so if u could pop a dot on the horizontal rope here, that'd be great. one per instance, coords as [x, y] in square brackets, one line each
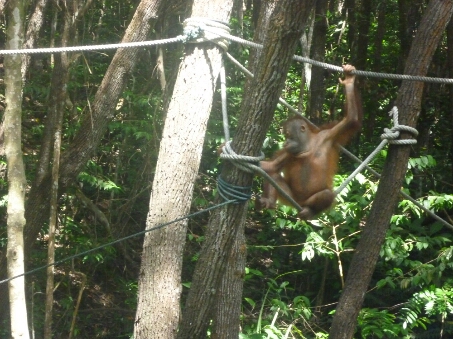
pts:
[196, 29]
[179, 38]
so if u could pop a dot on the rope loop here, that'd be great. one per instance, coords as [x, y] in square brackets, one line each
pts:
[232, 192]
[392, 134]
[243, 162]
[198, 30]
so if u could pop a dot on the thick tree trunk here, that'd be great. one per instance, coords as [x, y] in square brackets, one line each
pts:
[16, 171]
[226, 225]
[432, 26]
[177, 167]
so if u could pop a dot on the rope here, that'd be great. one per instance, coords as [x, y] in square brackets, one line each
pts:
[374, 74]
[223, 97]
[243, 162]
[179, 38]
[250, 164]
[232, 192]
[189, 216]
[390, 136]
[197, 30]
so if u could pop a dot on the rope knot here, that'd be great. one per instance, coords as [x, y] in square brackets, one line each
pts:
[198, 30]
[392, 134]
[243, 162]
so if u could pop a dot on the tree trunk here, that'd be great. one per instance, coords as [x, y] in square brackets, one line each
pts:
[349, 10]
[372, 107]
[60, 79]
[16, 171]
[93, 127]
[229, 294]
[380, 33]
[306, 44]
[450, 88]
[408, 14]
[363, 27]
[177, 168]
[34, 27]
[218, 257]
[432, 26]
[317, 80]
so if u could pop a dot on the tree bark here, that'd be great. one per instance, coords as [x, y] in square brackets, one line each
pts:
[450, 88]
[349, 11]
[372, 107]
[60, 79]
[16, 171]
[363, 27]
[226, 225]
[93, 127]
[33, 29]
[408, 14]
[432, 26]
[318, 50]
[176, 171]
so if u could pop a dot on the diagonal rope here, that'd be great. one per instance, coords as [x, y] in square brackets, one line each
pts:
[155, 228]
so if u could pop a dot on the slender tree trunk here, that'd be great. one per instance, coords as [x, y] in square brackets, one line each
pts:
[380, 32]
[349, 11]
[363, 28]
[177, 168]
[226, 226]
[16, 171]
[33, 29]
[372, 108]
[432, 26]
[450, 88]
[2, 6]
[408, 11]
[60, 79]
[318, 50]
[306, 44]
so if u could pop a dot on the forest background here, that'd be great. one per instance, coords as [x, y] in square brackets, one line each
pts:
[295, 271]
